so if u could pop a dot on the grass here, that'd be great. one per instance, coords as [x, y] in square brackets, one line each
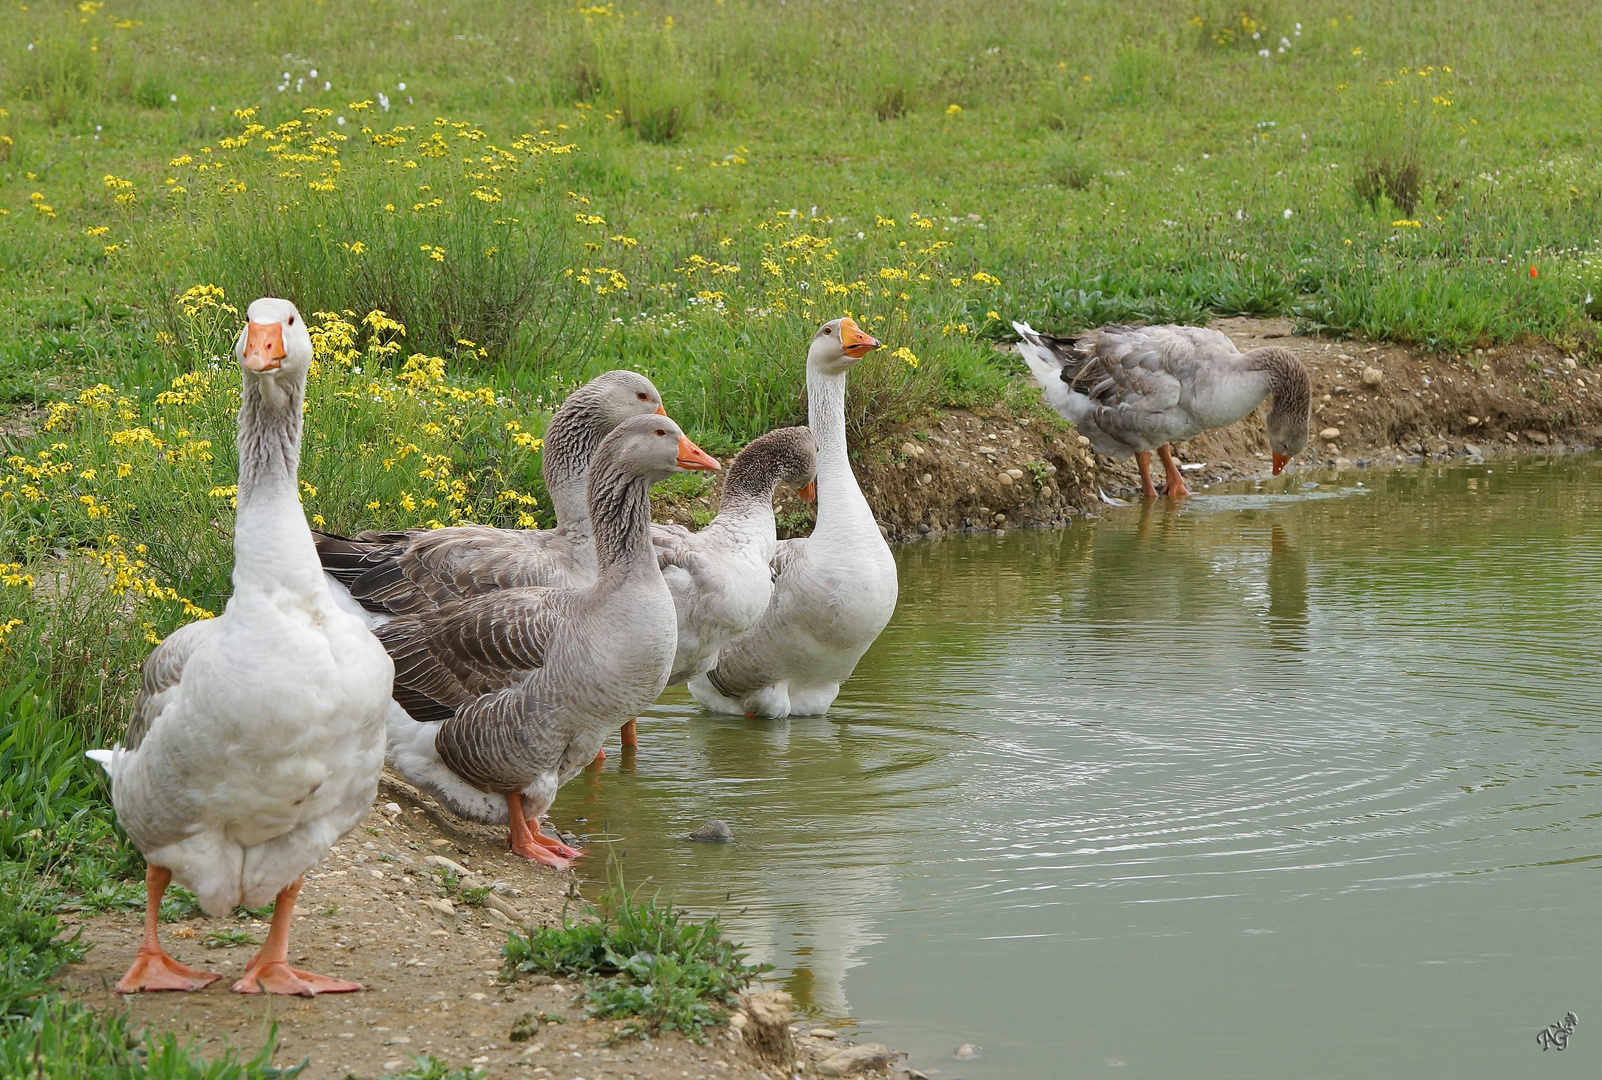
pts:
[480, 206]
[640, 959]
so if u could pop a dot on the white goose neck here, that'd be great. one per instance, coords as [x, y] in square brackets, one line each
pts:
[272, 543]
[841, 503]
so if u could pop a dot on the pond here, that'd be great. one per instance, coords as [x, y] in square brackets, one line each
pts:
[1298, 779]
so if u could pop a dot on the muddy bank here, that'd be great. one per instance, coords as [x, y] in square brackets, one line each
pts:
[376, 911]
[1373, 406]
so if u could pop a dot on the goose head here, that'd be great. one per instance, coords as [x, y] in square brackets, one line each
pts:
[1287, 436]
[274, 347]
[838, 345]
[788, 456]
[654, 448]
[614, 396]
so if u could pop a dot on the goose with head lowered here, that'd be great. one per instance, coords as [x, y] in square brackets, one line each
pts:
[258, 736]
[391, 574]
[721, 578]
[833, 591]
[502, 697]
[1134, 389]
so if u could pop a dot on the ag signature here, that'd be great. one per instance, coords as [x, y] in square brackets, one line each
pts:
[1556, 1036]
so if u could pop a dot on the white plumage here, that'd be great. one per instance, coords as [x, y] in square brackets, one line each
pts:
[834, 591]
[259, 735]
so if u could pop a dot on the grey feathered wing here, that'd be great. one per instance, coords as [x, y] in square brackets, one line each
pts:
[160, 676]
[468, 665]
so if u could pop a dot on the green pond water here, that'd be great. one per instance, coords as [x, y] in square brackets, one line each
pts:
[1296, 780]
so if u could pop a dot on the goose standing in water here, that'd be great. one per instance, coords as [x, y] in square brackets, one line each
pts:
[833, 591]
[404, 573]
[1134, 389]
[721, 577]
[258, 737]
[501, 698]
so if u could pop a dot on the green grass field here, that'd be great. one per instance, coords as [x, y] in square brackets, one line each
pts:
[532, 193]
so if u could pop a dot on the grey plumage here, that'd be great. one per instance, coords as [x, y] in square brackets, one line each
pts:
[403, 573]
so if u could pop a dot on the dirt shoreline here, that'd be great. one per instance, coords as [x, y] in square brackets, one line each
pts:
[945, 473]
[373, 911]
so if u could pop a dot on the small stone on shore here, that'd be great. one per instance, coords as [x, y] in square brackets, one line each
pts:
[1373, 376]
[1329, 434]
[856, 1059]
[965, 1052]
[714, 831]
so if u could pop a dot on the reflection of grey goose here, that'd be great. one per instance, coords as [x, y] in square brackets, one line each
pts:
[1134, 389]
[834, 591]
[720, 577]
[258, 736]
[505, 696]
[404, 573]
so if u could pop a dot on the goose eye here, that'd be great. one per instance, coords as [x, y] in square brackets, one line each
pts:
[643, 396]
[661, 431]
[292, 320]
[828, 329]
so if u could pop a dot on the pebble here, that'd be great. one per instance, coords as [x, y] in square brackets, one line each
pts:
[1373, 376]
[1471, 449]
[1082, 440]
[1330, 433]
[823, 1033]
[965, 1052]
[925, 478]
[1472, 421]
[1016, 474]
[447, 864]
[1004, 479]
[714, 831]
[856, 1059]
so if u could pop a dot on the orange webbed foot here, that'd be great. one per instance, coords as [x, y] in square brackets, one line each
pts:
[551, 843]
[158, 971]
[529, 849]
[278, 977]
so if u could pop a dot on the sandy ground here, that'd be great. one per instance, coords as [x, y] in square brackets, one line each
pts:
[374, 912]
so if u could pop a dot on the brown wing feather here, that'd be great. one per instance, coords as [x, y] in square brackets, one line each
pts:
[468, 649]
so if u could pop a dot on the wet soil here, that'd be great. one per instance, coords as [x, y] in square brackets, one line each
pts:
[376, 911]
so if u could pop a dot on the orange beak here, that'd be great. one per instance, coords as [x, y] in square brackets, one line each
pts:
[808, 492]
[264, 346]
[660, 411]
[853, 342]
[692, 456]
[1280, 461]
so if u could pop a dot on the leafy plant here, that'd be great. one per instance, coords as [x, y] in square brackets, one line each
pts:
[640, 959]
[228, 937]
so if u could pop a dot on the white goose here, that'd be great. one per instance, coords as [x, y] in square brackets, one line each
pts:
[258, 736]
[391, 574]
[834, 591]
[503, 697]
[1134, 389]
[721, 577]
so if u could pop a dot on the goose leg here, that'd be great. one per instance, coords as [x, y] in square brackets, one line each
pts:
[152, 968]
[600, 760]
[631, 737]
[1147, 489]
[527, 840]
[1176, 488]
[269, 970]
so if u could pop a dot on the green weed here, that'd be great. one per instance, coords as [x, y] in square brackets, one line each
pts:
[640, 959]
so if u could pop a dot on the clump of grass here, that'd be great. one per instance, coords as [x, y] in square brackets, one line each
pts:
[643, 72]
[1402, 138]
[1071, 164]
[458, 235]
[1139, 73]
[640, 959]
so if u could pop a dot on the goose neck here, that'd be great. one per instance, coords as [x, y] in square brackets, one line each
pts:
[571, 440]
[840, 499]
[620, 517]
[270, 531]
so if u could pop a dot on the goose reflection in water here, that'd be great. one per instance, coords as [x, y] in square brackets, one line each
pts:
[1287, 592]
